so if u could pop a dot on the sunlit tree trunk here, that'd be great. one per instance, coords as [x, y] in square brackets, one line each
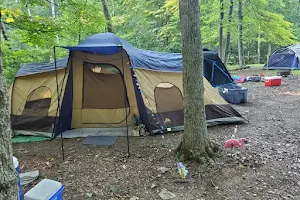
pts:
[269, 50]
[228, 37]
[8, 176]
[221, 29]
[53, 13]
[240, 34]
[258, 48]
[298, 9]
[195, 144]
[3, 30]
[107, 16]
[29, 11]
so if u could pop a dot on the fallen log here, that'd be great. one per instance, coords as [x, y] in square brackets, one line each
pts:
[240, 68]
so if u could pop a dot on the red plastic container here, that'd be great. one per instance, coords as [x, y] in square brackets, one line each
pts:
[272, 81]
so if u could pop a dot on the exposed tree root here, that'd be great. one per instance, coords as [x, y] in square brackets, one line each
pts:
[200, 156]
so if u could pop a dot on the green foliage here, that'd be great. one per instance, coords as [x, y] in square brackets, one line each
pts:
[34, 32]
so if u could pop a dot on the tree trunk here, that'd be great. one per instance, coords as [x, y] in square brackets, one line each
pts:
[8, 176]
[240, 34]
[107, 16]
[29, 12]
[249, 57]
[269, 50]
[298, 9]
[53, 14]
[228, 37]
[221, 29]
[3, 30]
[195, 144]
[258, 48]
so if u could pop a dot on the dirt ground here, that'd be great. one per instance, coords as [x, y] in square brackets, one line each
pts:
[266, 168]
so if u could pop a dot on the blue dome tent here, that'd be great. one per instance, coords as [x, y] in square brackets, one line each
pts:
[287, 58]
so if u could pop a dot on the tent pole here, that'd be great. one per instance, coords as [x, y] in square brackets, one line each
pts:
[125, 101]
[58, 106]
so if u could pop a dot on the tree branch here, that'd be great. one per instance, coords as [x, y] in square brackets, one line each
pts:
[31, 30]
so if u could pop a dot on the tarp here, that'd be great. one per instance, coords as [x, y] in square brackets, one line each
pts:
[35, 68]
[26, 138]
[108, 43]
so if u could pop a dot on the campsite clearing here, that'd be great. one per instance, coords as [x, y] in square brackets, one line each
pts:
[266, 168]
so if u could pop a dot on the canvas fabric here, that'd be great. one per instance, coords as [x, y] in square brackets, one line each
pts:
[148, 81]
[162, 96]
[34, 100]
[35, 87]
[101, 103]
[102, 90]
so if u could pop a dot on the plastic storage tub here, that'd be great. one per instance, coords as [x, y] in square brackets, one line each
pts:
[16, 164]
[272, 81]
[233, 93]
[45, 190]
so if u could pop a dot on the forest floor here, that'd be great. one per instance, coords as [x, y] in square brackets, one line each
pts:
[266, 168]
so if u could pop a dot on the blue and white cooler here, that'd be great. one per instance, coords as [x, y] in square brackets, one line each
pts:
[46, 190]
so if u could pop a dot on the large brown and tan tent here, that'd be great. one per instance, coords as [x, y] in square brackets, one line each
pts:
[107, 83]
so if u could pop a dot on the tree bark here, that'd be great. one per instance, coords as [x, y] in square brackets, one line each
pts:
[3, 30]
[269, 50]
[221, 29]
[29, 12]
[228, 37]
[53, 13]
[195, 144]
[258, 48]
[240, 34]
[107, 16]
[298, 9]
[8, 176]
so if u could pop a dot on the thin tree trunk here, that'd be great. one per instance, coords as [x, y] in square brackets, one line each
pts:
[195, 144]
[221, 29]
[258, 48]
[4, 31]
[53, 14]
[228, 37]
[269, 50]
[107, 16]
[249, 59]
[28, 11]
[298, 9]
[240, 34]
[8, 176]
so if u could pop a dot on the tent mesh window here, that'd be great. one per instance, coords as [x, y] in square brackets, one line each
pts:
[169, 104]
[38, 102]
[103, 87]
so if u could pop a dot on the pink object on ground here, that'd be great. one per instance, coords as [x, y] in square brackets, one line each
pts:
[233, 143]
[241, 80]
